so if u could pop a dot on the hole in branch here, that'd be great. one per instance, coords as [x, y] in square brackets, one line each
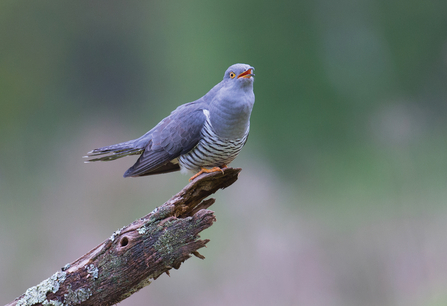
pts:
[124, 241]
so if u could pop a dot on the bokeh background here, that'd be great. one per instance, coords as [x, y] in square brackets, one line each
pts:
[342, 198]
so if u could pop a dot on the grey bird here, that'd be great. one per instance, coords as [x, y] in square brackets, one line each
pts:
[200, 136]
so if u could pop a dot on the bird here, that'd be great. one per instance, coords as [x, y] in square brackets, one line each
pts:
[198, 137]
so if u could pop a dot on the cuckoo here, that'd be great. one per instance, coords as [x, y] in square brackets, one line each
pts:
[200, 136]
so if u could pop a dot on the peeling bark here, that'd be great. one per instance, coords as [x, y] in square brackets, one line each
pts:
[136, 254]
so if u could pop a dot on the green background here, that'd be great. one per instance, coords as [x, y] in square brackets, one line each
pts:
[342, 198]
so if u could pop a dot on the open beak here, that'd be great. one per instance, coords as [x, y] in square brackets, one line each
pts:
[246, 74]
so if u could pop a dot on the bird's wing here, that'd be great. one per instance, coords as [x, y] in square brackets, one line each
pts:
[173, 136]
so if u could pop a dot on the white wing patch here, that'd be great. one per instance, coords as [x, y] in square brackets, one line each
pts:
[207, 114]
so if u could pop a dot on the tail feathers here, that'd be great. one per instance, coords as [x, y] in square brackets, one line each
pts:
[113, 152]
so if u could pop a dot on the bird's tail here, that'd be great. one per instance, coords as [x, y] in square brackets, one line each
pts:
[114, 151]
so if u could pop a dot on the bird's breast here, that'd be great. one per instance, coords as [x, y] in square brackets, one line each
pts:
[231, 120]
[212, 150]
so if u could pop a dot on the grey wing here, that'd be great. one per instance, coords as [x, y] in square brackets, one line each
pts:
[173, 136]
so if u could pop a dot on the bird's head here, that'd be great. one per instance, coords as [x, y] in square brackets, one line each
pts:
[241, 74]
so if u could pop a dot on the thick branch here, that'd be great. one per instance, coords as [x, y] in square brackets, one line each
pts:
[137, 253]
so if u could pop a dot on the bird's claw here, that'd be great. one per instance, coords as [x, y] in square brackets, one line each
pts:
[205, 170]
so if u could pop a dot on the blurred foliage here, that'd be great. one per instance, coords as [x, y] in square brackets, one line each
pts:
[349, 122]
[322, 67]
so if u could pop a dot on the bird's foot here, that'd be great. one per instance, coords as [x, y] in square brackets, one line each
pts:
[205, 170]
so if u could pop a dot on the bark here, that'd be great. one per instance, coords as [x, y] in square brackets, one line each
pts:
[136, 254]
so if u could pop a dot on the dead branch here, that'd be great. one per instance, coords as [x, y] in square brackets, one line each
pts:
[137, 253]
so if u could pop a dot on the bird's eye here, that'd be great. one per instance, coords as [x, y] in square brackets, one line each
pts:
[232, 75]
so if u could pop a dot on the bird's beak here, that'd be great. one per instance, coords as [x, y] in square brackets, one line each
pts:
[246, 74]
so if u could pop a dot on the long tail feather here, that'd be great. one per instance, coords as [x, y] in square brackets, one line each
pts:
[114, 152]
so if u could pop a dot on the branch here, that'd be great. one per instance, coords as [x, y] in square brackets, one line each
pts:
[137, 253]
